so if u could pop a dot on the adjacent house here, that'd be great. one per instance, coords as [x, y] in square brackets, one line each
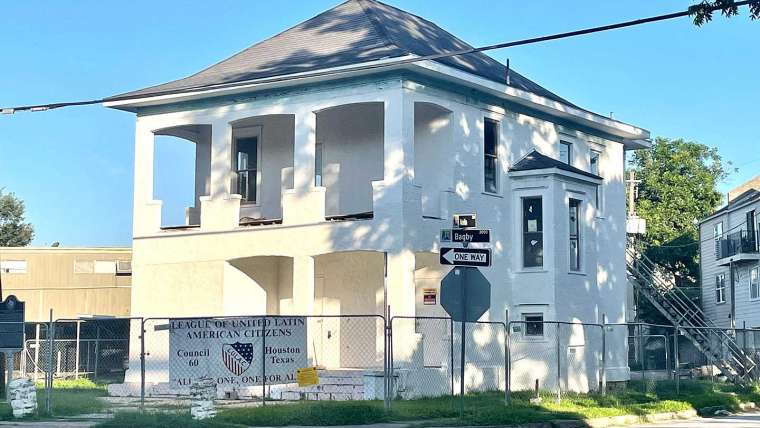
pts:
[330, 156]
[730, 259]
[72, 282]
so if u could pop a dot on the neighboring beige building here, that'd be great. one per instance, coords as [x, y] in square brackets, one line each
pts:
[73, 282]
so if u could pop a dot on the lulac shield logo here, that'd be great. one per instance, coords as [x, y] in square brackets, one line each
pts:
[237, 357]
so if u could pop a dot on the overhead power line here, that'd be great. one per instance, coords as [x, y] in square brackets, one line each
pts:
[557, 36]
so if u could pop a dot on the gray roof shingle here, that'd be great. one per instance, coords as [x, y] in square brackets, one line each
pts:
[535, 160]
[353, 32]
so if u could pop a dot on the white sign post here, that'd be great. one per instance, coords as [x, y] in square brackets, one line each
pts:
[231, 350]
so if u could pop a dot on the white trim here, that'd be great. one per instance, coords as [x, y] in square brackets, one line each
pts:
[633, 136]
[555, 171]
[755, 269]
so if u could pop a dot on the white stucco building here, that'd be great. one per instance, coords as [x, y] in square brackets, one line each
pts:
[323, 148]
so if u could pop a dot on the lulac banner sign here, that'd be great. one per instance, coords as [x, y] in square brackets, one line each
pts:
[231, 350]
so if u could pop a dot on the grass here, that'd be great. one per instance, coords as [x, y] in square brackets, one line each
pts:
[480, 409]
[68, 398]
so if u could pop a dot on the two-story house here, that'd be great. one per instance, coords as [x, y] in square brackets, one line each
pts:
[730, 259]
[330, 156]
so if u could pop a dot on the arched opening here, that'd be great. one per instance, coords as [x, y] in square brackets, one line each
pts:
[349, 156]
[181, 165]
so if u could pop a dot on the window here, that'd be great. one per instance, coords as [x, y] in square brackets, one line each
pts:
[718, 230]
[246, 167]
[102, 266]
[318, 149]
[720, 288]
[565, 152]
[754, 283]
[594, 162]
[534, 325]
[13, 266]
[574, 219]
[490, 157]
[84, 266]
[533, 233]
[717, 234]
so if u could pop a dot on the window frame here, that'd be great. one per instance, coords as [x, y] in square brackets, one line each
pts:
[720, 288]
[525, 233]
[494, 157]
[591, 156]
[717, 236]
[755, 271]
[6, 267]
[569, 146]
[243, 133]
[577, 267]
[525, 323]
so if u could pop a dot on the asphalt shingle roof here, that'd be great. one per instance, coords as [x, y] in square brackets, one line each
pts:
[353, 32]
[535, 160]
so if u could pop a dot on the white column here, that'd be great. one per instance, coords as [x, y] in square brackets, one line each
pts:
[147, 212]
[304, 150]
[220, 177]
[305, 203]
[303, 285]
[398, 157]
[400, 282]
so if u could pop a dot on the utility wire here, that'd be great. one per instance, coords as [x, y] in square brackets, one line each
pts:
[674, 15]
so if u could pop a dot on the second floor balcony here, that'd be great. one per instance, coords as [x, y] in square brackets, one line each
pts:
[737, 247]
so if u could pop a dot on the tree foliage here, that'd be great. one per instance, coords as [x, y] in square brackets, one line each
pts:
[14, 231]
[702, 12]
[678, 188]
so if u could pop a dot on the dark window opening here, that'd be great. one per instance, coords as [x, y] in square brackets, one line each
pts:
[534, 324]
[246, 167]
[490, 157]
[533, 233]
[575, 251]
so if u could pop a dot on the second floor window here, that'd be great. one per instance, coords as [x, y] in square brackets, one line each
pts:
[575, 229]
[720, 288]
[717, 234]
[246, 167]
[490, 156]
[754, 283]
[533, 233]
[566, 152]
[593, 163]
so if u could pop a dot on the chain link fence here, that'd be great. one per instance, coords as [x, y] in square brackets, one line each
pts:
[347, 351]
[362, 357]
[427, 357]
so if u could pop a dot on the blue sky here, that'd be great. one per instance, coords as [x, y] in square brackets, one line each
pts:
[73, 167]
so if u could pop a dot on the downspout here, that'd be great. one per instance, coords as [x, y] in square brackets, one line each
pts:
[733, 294]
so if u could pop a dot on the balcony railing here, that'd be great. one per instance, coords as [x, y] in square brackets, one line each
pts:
[742, 242]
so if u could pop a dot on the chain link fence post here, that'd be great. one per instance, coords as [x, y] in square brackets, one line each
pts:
[676, 359]
[603, 375]
[507, 375]
[142, 362]
[49, 373]
[559, 365]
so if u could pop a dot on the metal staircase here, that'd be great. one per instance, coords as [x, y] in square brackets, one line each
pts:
[714, 342]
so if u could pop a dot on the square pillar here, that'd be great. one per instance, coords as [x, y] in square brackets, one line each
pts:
[400, 282]
[304, 203]
[390, 194]
[303, 285]
[147, 212]
[304, 150]
[220, 174]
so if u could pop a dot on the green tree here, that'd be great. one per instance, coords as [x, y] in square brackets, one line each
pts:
[14, 231]
[678, 188]
[703, 11]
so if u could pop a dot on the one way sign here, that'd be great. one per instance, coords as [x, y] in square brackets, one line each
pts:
[465, 257]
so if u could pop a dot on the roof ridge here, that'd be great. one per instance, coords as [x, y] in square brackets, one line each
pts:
[376, 24]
